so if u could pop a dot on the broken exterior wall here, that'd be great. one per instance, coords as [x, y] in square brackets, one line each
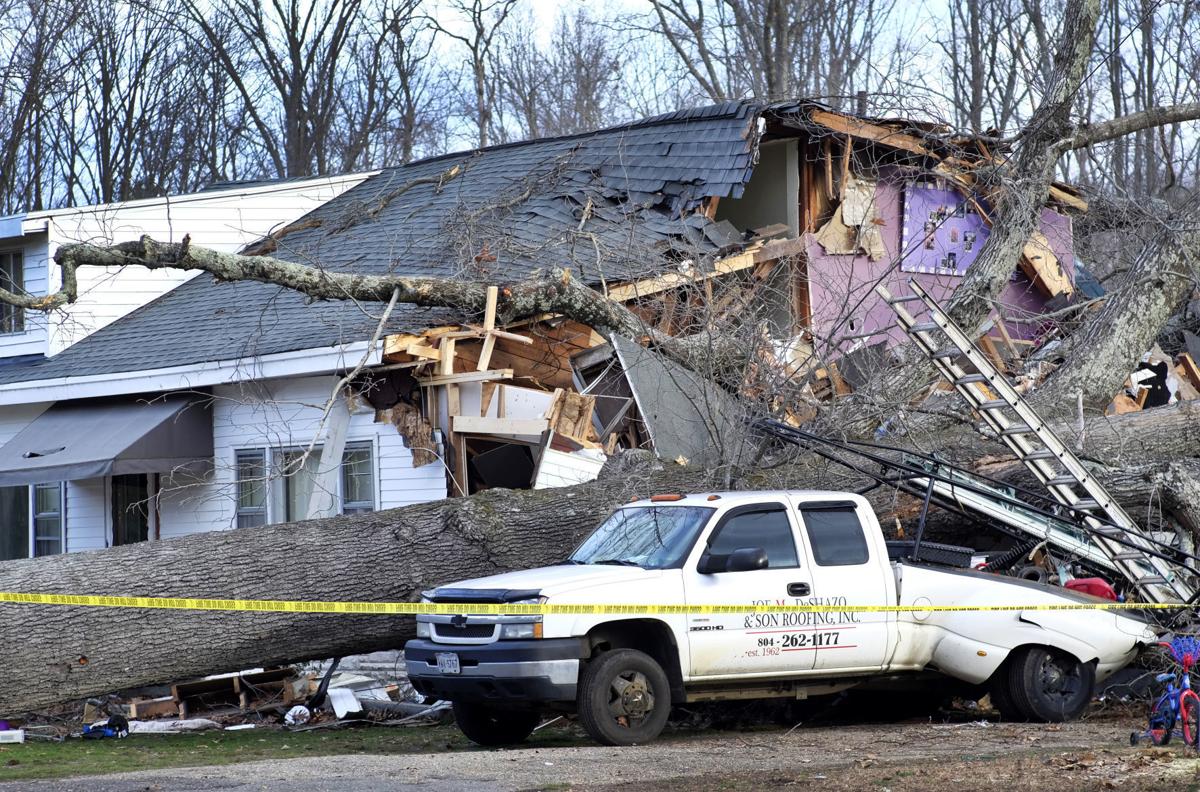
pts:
[841, 285]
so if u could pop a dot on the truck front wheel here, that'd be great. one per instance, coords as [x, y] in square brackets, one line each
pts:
[1048, 685]
[624, 698]
[493, 726]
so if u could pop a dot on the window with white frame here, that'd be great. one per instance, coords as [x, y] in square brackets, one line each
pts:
[358, 479]
[282, 490]
[251, 488]
[32, 521]
[49, 533]
[12, 278]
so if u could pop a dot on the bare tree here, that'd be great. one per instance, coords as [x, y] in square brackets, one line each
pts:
[985, 63]
[774, 49]
[475, 25]
[286, 61]
[573, 85]
[32, 82]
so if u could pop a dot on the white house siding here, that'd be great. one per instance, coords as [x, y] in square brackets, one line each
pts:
[87, 515]
[32, 341]
[225, 219]
[280, 414]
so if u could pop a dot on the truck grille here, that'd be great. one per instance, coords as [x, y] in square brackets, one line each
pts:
[465, 631]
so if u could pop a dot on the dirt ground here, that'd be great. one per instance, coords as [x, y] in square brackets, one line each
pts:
[984, 755]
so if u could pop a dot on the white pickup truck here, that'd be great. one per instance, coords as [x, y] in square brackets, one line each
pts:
[622, 674]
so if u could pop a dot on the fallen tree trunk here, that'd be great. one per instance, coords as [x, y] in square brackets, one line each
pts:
[65, 653]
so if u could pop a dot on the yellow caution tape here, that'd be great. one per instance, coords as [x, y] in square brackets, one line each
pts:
[496, 609]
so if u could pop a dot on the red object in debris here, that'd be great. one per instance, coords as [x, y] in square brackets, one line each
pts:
[1097, 587]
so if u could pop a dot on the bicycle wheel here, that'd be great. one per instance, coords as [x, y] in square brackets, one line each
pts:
[1189, 713]
[1162, 721]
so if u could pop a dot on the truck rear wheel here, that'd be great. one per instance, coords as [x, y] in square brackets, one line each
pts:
[624, 698]
[1002, 699]
[1049, 686]
[492, 726]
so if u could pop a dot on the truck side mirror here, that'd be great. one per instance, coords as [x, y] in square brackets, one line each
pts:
[745, 559]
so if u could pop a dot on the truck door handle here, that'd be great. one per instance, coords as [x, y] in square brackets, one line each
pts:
[798, 589]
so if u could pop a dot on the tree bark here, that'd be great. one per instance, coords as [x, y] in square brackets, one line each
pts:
[1104, 352]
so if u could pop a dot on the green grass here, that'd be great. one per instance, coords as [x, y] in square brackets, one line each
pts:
[78, 757]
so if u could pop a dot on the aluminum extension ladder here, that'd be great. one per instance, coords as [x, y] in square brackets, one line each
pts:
[1037, 446]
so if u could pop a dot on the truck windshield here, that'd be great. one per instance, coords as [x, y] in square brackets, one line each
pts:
[651, 537]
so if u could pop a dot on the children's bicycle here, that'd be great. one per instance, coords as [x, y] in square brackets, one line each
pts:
[1179, 702]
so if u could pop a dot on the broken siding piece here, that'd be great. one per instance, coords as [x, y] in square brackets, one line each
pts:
[1041, 266]
[471, 424]
[562, 469]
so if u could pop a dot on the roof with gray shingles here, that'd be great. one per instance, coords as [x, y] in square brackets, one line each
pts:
[611, 205]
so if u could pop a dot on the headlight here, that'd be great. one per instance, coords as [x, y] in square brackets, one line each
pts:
[424, 629]
[526, 631]
[523, 627]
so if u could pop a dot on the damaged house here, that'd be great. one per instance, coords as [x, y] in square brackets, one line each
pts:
[221, 405]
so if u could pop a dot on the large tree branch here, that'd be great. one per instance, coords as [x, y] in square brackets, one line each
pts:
[1090, 134]
[555, 293]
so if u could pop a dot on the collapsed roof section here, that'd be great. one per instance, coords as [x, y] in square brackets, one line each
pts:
[612, 205]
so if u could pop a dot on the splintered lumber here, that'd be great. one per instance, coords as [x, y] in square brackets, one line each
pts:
[767, 252]
[466, 376]
[1184, 361]
[571, 414]
[201, 694]
[1041, 266]
[257, 685]
[153, 708]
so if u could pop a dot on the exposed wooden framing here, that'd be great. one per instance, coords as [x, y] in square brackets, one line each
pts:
[989, 348]
[468, 376]
[460, 466]
[1004, 336]
[724, 266]
[446, 363]
[827, 156]
[670, 302]
[488, 390]
[1189, 366]
[950, 167]
[413, 345]
[507, 336]
[489, 326]
[847, 154]
[708, 207]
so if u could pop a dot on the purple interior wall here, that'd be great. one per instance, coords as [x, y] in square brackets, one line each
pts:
[841, 287]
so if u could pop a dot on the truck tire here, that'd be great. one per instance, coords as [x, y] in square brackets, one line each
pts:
[1002, 700]
[492, 726]
[624, 698]
[1049, 686]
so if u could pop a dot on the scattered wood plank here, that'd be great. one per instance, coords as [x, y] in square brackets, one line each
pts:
[736, 263]
[153, 708]
[1190, 369]
[840, 388]
[467, 376]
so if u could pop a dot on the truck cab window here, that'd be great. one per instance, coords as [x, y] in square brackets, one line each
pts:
[836, 535]
[767, 528]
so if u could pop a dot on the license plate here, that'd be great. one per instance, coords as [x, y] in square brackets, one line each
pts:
[448, 663]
